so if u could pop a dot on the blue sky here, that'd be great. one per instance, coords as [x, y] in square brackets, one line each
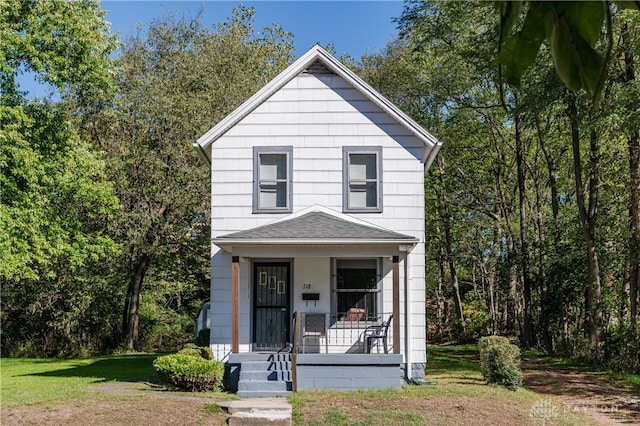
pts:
[355, 28]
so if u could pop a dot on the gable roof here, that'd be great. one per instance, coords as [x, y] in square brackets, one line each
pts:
[315, 227]
[310, 59]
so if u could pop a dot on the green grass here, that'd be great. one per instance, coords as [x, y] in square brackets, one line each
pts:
[450, 374]
[51, 381]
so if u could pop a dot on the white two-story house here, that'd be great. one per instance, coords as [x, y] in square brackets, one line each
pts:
[318, 232]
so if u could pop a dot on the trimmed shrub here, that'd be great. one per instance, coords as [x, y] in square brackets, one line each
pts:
[191, 352]
[189, 372]
[195, 350]
[484, 343]
[500, 361]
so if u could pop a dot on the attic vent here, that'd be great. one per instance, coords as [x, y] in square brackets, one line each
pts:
[318, 68]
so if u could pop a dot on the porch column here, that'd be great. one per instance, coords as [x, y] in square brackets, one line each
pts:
[235, 304]
[396, 305]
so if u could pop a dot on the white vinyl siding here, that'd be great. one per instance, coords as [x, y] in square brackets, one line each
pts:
[316, 115]
[362, 179]
[272, 179]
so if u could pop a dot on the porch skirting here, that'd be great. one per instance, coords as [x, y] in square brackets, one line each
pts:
[349, 372]
[332, 371]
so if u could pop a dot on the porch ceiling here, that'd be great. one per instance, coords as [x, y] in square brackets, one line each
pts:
[315, 228]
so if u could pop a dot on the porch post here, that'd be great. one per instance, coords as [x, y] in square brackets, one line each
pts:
[396, 305]
[235, 302]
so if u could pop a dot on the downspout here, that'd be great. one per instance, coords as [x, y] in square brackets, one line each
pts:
[407, 313]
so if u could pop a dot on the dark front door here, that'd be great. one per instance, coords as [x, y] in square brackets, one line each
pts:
[271, 305]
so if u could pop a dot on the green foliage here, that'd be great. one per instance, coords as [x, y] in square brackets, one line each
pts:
[571, 28]
[163, 328]
[204, 337]
[189, 373]
[199, 351]
[190, 352]
[476, 316]
[620, 347]
[55, 249]
[54, 196]
[500, 362]
[175, 82]
[66, 44]
[484, 343]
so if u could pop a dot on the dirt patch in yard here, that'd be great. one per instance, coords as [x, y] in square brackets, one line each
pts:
[463, 410]
[143, 402]
[124, 410]
[590, 393]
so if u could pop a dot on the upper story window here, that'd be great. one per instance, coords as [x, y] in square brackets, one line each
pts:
[272, 179]
[362, 179]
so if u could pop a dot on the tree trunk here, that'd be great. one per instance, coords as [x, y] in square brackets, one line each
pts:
[528, 331]
[132, 303]
[587, 215]
[553, 172]
[634, 219]
[455, 286]
[634, 189]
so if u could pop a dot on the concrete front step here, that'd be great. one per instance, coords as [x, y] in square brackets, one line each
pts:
[264, 385]
[263, 393]
[263, 411]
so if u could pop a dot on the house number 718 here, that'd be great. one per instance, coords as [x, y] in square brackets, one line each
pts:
[306, 286]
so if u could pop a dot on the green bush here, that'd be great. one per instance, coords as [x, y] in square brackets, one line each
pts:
[191, 352]
[197, 351]
[484, 343]
[189, 372]
[203, 337]
[503, 365]
[620, 348]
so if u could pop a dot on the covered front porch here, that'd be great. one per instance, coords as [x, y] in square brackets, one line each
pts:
[317, 292]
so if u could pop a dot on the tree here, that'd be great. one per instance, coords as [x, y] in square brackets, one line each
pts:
[65, 44]
[571, 29]
[55, 199]
[175, 82]
[535, 199]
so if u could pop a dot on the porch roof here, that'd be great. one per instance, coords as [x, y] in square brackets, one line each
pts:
[316, 227]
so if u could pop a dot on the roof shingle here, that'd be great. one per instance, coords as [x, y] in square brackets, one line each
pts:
[316, 226]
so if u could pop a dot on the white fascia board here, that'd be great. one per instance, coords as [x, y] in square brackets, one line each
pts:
[431, 156]
[343, 71]
[203, 144]
[205, 141]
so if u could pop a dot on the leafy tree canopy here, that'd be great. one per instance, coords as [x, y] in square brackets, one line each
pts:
[572, 30]
[65, 43]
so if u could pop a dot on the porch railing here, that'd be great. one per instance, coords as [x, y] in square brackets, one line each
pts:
[352, 332]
